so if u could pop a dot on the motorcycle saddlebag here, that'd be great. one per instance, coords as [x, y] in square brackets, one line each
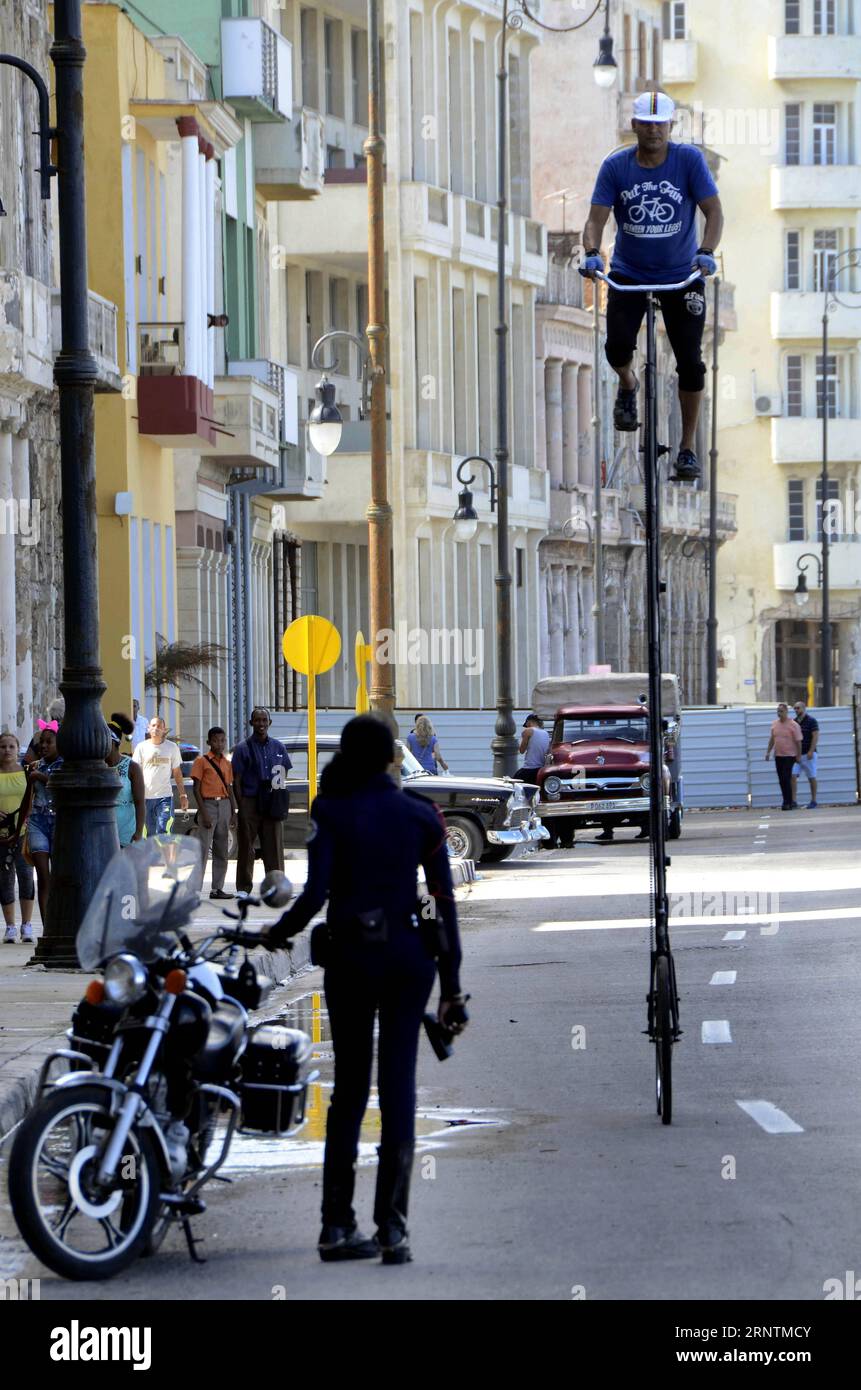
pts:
[274, 1078]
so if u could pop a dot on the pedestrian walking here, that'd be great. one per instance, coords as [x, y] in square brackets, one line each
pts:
[655, 189]
[159, 759]
[42, 818]
[260, 767]
[14, 870]
[130, 806]
[807, 758]
[381, 954]
[141, 725]
[534, 747]
[212, 781]
[56, 710]
[785, 742]
[424, 744]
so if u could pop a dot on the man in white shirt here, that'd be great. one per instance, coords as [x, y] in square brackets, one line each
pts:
[159, 759]
[141, 728]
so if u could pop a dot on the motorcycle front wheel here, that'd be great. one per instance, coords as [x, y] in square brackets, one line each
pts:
[77, 1229]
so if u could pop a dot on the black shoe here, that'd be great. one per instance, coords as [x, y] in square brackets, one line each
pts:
[687, 467]
[220, 893]
[605, 839]
[625, 410]
[346, 1243]
[643, 835]
[391, 1201]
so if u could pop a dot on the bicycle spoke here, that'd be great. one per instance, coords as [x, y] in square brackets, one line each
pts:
[114, 1236]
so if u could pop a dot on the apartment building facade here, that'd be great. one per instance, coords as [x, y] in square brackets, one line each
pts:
[570, 140]
[792, 194]
[439, 65]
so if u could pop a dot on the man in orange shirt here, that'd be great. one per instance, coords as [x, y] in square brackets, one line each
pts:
[212, 777]
[785, 742]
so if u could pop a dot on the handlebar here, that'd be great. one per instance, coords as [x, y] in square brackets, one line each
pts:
[641, 289]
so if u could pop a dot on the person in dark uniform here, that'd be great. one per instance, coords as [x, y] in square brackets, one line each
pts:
[381, 955]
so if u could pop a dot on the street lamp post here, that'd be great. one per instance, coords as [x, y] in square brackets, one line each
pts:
[844, 260]
[85, 788]
[514, 13]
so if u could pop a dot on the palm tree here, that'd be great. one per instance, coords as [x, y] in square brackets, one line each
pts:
[180, 661]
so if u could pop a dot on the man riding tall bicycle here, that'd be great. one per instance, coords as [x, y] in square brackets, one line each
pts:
[654, 189]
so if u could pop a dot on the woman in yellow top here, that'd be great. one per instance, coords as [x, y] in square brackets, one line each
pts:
[14, 804]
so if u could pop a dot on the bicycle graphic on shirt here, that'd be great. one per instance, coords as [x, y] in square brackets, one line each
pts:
[656, 211]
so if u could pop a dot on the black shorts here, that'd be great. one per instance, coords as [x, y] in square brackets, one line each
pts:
[684, 314]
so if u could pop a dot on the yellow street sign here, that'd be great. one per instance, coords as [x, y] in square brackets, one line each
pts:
[363, 655]
[311, 645]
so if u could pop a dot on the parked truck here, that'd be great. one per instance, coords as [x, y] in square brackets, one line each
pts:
[597, 769]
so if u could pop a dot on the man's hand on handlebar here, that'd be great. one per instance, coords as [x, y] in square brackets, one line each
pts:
[593, 263]
[705, 261]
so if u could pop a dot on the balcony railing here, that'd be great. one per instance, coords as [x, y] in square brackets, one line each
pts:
[102, 326]
[161, 349]
[564, 286]
[256, 69]
[290, 160]
[284, 382]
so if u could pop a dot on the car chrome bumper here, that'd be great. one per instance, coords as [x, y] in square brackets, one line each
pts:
[620, 805]
[520, 835]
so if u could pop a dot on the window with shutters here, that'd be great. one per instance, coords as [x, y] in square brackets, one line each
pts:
[792, 261]
[792, 16]
[675, 20]
[308, 43]
[333, 49]
[792, 132]
[831, 513]
[824, 132]
[795, 498]
[827, 386]
[794, 386]
[824, 17]
[825, 248]
[359, 74]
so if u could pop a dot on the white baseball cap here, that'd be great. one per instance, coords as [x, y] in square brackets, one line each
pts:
[653, 106]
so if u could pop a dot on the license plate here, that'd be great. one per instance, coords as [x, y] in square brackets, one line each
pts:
[605, 805]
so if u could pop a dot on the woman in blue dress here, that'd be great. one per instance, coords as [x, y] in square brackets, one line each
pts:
[424, 745]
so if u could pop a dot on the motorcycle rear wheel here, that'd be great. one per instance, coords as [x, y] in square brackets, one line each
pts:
[51, 1169]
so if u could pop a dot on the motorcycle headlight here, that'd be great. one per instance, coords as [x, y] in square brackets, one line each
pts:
[552, 787]
[125, 979]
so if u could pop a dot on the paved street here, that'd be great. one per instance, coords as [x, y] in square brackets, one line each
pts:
[564, 1180]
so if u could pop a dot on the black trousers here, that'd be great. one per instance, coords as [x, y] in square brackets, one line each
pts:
[784, 776]
[684, 314]
[393, 981]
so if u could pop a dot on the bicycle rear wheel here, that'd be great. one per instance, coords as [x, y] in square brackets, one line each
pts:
[663, 1039]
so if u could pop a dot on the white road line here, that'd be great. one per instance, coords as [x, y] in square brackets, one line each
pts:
[769, 1118]
[735, 936]
[716, 1030]
[723, 977]
[763, 825]
[826, 914]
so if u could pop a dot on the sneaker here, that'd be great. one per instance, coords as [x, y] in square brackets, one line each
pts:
[27, 932]
[11, 936]
[687, 467]
[625, 410]
[812, 805]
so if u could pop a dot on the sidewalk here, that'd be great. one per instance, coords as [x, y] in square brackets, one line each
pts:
[36, 1004]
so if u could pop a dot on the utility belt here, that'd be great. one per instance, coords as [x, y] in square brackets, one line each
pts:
[371, 931]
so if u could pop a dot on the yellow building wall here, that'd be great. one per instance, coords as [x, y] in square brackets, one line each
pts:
[121, 65]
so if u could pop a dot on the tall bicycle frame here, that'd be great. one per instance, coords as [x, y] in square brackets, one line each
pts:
[662, 1022]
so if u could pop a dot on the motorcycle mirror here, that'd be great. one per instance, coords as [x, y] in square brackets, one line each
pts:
[276, 890]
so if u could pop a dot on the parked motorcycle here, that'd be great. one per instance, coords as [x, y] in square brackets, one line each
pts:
[164, 1067]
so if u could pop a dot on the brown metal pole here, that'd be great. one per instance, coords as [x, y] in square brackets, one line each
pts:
[382, 691]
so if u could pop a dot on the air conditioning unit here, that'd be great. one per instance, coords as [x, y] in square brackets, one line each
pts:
[768, 404]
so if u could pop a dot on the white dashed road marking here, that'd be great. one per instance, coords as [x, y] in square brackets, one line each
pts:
[735, 936]
[723, 977]
[716, 1030]
[769, 1118]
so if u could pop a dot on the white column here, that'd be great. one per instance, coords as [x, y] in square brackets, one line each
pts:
[540, 416]
[553, 421]
[190, 243]
[8, 540]
[24, 602]
[209, 302]
[570, 437]
[584, 412]
[202, 281]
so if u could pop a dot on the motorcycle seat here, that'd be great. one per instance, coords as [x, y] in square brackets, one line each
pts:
[223, 1043]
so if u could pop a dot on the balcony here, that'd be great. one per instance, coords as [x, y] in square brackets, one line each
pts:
[175, 411]
[815, 186]
[572, 510]
[798, 314]
[685, 511]
[102, 320]
[247, 420]
[284, 382]
[333, 227]
[678, 62]
[844, 558]
[794, 57]
[26, 359]
[799, 440]
[302, 476]
[290, 159]
[256, 70]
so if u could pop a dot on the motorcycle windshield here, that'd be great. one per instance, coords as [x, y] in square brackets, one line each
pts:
[147, 891]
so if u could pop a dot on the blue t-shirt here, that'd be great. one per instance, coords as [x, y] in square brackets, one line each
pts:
[655, 211]
[424, 752]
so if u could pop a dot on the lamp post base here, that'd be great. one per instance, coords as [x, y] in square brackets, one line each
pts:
[504, 745]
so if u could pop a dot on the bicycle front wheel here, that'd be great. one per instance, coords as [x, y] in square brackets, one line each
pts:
[663, 1040]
